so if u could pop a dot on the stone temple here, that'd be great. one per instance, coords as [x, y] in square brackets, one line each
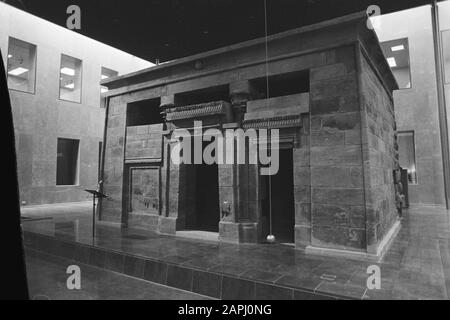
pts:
[330, 96]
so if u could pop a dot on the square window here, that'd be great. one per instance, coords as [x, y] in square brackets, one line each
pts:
[144, 113]
[446, 49]
[70, 79]
[407, 154]
[21, 66]
[397, 56]
[67, 162]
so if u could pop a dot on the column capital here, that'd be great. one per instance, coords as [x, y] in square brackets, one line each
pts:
[240, 93]
[241, 90]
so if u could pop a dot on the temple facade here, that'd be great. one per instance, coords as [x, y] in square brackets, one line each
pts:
[326, 88]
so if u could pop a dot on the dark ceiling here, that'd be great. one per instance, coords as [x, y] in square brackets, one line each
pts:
[169, 29]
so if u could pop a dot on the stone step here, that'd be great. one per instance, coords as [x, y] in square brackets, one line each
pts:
[219, 285]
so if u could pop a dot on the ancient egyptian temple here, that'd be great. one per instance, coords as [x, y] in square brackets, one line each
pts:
[326, 87]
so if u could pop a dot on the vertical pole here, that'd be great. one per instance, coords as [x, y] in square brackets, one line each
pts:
[270, 204]
[93, 219]
[267, 99]
[102, 157]
[443, 126]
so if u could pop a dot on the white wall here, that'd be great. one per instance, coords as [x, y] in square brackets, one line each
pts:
[416, 109]
[41, 118]
[52, 40]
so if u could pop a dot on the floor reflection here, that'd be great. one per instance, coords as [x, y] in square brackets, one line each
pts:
[417, 266]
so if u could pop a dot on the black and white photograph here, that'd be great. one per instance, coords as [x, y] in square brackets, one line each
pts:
[250, 150]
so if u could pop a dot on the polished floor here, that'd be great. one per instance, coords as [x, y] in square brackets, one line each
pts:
[417, 265]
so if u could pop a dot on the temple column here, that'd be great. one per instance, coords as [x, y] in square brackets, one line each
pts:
[238, 190]
[238, 182]
[170, 177]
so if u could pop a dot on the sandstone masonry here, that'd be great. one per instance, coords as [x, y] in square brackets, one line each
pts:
[330, 97]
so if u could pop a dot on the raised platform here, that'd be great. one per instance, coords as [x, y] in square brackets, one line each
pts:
[205, 278]
[230, 271]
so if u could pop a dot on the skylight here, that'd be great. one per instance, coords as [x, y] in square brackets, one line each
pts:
[392, 62]
[17, 71]
[68, 71]
[398, 48]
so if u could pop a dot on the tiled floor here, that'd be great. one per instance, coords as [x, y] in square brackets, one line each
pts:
[47, 281]
[416, 267]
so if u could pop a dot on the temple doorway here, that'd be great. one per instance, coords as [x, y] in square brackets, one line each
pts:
[199, 198]
[207, 210]
[278, 193]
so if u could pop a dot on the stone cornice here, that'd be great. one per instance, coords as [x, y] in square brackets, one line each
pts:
[274, 122]
[197, 110]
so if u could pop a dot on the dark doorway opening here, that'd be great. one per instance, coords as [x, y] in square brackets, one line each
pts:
[67, 162]
[200, 199]
[281, 194]
[207, 200]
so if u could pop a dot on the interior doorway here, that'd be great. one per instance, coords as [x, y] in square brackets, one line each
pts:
[200, 197]
[207, 210]
[278, 193]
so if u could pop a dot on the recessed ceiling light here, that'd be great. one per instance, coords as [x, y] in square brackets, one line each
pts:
[68, 71]
[9, 56]
[398, 48]
[104, 77]
[17, 71]
[70, 86]
[392, 62]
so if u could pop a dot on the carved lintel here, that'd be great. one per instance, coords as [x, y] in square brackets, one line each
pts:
[274, 123]
[220, 108]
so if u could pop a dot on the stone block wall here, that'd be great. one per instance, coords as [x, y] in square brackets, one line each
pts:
[302, 186]
[277, 106]
[379, 155]
[343, 146]
[144, 142]
[141, 143]
[113, 174]
[336, 162]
